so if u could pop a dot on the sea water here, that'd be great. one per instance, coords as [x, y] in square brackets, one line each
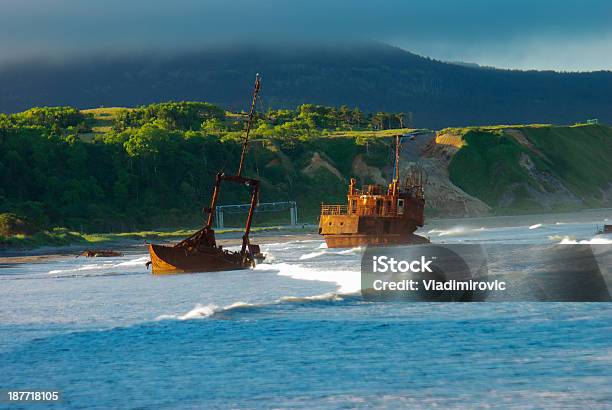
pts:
[295, 332]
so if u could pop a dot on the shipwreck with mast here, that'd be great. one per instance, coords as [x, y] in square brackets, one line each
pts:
[378, 215]
[200, 251]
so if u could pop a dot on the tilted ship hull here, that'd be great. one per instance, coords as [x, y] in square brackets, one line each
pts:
[200, 252]
[170, 260]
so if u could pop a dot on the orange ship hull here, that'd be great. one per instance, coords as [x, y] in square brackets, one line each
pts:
[355, 240]
[377, 215]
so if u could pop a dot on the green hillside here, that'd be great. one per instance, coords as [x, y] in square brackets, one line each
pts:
[117, 170]
[147, 167]
[519, 167]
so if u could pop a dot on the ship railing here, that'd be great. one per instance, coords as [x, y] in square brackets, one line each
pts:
[334, 210]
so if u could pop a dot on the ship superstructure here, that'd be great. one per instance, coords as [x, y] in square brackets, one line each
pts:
[377, 214]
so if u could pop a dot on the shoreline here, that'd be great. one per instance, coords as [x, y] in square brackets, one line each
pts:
[271, 234]
[43, 254]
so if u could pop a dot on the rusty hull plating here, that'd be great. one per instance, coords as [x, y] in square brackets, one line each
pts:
[377, 215]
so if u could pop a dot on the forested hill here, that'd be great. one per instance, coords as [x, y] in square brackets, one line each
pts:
[117, 169]
[374, 77]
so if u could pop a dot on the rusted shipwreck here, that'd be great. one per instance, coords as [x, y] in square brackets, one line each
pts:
[99, 253]
[200, 251]
[376, 214]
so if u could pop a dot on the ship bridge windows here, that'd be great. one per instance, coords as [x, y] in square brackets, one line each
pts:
[400, 206]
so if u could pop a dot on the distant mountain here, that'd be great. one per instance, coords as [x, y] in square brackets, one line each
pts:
[371, 76]
[466, 64]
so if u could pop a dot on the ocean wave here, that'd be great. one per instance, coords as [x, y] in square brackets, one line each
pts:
[203, 311]
[134, 262]
[536, 226]
[330, 296]
[312, 255]
[347, 281]
[104, 266]
[81, 268]
[458, 230]
[351, 251]
[559, 238]
[593, 241]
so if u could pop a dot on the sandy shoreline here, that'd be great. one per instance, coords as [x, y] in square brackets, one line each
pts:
[42, 255]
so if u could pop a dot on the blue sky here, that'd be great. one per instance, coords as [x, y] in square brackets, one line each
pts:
[538, 34]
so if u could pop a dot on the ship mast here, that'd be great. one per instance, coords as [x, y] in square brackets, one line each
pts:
[245, 144]
[397, 157]
[396, 178]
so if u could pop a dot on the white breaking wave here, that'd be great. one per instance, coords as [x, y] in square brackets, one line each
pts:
[323, 246]
[458, 230]
[134, 262]
[593, 241]
[81, 268]
[100, 266]
[351, 251]
[559, 238]
[536, 226]
[312, 255]
[204, 311]
[325, 296]
[347, 281]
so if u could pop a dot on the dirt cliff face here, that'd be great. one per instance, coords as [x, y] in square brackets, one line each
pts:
[442, 196]
[475, 171]
[367, 173]
[318, 163]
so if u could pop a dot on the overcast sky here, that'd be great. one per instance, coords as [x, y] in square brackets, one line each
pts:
[527, 34]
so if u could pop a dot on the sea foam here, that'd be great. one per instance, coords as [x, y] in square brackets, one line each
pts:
[347, 281]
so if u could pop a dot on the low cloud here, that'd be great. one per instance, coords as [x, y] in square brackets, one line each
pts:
[568, 35]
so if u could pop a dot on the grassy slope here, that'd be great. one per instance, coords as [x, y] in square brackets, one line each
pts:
[580, 155]
[101, 122]
[488, 162]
